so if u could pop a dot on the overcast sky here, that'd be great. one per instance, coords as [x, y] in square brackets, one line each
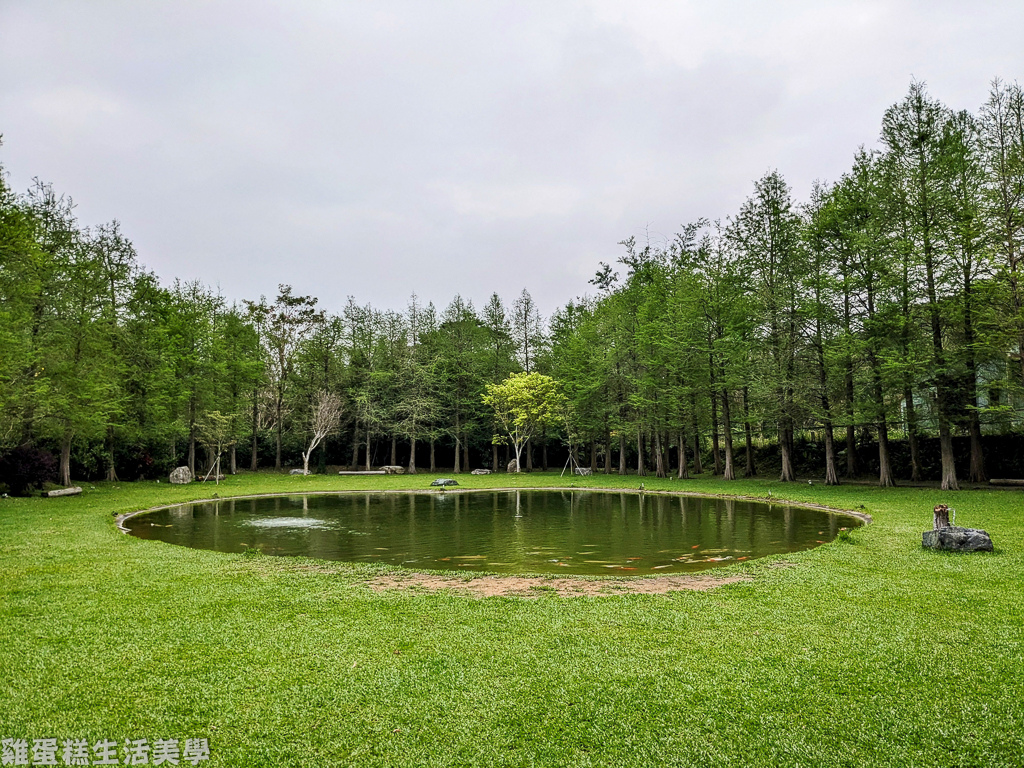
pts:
[376, 148]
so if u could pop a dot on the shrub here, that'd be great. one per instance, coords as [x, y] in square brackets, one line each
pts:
[27, 467]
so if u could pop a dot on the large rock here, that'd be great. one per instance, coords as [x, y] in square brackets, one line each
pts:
[393, 469]
[513, 466]
[298, 472]
[953, 539]
[443, 481]
[181, 476]
[584, 471]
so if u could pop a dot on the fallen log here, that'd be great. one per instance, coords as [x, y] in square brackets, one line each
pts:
[72, 491]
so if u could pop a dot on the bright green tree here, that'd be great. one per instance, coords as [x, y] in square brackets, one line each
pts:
[523, 404]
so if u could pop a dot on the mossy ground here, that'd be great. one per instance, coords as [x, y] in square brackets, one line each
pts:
[867, 651]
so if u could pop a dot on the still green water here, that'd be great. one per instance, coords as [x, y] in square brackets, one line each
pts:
[568, 532]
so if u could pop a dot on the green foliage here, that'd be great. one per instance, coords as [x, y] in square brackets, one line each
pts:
[523, 404]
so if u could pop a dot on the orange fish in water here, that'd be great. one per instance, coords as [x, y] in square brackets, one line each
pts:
[695, 546]
[742, 558]
[626, 568]
[631, 559]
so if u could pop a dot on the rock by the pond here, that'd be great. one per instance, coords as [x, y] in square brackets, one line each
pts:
[181, 476]
[298, 472]
[584, 471]
[480, 472]
[513, 466]
[72, 491]
[393, 469]
[443, 481]
[954, 539]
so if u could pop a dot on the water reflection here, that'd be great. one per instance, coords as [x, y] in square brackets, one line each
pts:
[579, 532]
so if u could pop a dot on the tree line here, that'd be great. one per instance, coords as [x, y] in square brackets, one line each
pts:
[886, 307]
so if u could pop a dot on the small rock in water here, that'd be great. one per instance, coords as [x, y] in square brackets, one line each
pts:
[952, 539]
[443, 481]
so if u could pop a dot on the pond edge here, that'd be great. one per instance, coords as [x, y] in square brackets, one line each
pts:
[864, 517]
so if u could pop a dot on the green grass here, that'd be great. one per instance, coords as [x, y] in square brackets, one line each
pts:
[867, 651]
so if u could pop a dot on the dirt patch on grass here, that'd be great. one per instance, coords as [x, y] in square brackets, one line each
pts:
[534, 586]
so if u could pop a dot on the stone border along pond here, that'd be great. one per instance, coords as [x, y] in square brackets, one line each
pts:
[530, 586]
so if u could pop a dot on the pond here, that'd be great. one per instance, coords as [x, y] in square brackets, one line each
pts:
[556, 531]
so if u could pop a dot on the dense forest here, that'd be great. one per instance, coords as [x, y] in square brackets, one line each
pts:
[874, 330]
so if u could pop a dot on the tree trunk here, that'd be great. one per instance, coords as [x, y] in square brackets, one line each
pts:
[786, 475]
[851, 427]
[715, 448]
[729, 473]
[277, 441]
[949, 481]
[977, 472]
[885, 479]
[884, 464]
[748, 436]
[544, 456]
[412, 456]
[831, 476]
[369, 455]
[109, 450]
[254, 459]
[659, 457]
[433, 463]
[355, 448]
[622, 453]
[494, 457]
[394, 451]
[640, 468]
[65, 458]
[465, 454]
[458, 445]
[234, 460]
[912, 434]
[192, 453]
[593, 456]
[682, 473]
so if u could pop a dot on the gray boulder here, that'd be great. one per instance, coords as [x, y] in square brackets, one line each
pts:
[584, 471]
[393, 469]
[443, 481]
[513, 466]
[181, 476]
[953, 539]
[298, 472]
[480, 472]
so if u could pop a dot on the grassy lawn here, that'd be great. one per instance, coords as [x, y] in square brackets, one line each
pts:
[863, 652]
